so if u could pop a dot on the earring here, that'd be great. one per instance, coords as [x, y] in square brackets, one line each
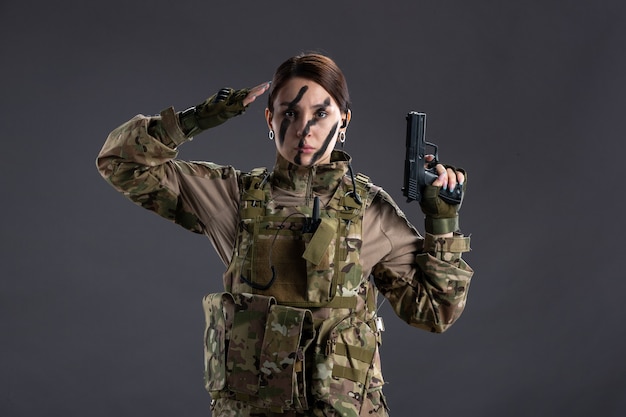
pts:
[342, 136]
[270, 135]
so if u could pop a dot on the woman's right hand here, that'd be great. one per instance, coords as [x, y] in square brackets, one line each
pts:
[217, 109]
[255, 92]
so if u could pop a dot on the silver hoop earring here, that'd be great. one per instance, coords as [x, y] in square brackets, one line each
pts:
[270, 135]
[342, 137]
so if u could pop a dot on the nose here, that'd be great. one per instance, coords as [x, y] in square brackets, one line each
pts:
[303, 127]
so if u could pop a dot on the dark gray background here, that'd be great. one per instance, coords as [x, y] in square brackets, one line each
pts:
[100, 301]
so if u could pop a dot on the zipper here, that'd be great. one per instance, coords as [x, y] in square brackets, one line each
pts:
[309, 187]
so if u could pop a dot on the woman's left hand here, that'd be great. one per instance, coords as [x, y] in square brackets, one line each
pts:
[447, 178]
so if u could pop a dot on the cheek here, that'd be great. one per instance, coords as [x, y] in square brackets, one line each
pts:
[325, 148]
[282, 130]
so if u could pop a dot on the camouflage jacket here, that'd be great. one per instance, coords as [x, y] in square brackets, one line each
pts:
[424, 278]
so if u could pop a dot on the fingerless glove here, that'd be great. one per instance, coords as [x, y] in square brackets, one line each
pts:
[441, 217]
[214, 111]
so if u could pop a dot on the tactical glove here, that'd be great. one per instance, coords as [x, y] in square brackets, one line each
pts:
[441, 217]
[214, 111]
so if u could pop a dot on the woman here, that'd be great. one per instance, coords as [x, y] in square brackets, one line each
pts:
[296, 332]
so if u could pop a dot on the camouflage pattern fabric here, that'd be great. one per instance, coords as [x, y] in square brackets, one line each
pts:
[299, 268]
[260, 357]
[219, 310]
[217, 109]
[311, 270]
[425, 280]
[373, 406]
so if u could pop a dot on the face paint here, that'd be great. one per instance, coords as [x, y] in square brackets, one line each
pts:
[317, 155]
[324, 147]
[306, 122]
[311, 122]
[286, 122]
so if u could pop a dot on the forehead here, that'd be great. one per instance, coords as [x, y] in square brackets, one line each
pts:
[302, 92]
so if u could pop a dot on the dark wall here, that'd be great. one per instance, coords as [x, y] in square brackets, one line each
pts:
[100, 309]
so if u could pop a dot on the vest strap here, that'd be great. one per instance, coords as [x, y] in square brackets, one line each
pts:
[350, 373]
[355, 352]
[342, 302]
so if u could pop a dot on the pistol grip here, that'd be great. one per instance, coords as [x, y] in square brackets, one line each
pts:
[452, 196]
[449, 196]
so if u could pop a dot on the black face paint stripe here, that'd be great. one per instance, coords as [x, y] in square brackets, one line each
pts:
[306, 129]
[312, 122]
[284, 125]
[317, 155]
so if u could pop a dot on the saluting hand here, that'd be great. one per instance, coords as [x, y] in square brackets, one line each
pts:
[255, 92]
[217, 109]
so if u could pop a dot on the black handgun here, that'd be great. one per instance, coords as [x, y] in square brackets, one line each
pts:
[416, 174]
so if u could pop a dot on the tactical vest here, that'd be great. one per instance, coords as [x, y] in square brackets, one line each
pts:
[260, 333]
[278, 255]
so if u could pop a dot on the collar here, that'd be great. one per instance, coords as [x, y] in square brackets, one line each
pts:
[319, 179]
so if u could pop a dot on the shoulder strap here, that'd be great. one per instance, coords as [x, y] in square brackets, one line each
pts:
[366, 192]
[253, 196]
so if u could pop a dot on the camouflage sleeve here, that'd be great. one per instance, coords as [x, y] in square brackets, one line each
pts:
[425, 279]
[138, 159]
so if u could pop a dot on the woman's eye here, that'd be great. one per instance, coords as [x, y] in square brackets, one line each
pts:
[290, 113]
[321, 114]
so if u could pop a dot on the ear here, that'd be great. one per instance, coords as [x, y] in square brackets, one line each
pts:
[346, 120]
[268, 118]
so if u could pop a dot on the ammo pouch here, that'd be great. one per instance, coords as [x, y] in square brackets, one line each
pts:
[344, 373]
[254, 350]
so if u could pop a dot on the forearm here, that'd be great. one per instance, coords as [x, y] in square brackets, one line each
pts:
[144, 143]
[137, 159]
[425, 279]
[447, 247]
[141, 141]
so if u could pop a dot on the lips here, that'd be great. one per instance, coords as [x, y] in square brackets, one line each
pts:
[305, 149]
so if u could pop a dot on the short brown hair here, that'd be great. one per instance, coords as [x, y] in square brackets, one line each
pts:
[315, 67]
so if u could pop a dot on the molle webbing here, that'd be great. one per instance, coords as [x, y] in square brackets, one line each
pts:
[253, 197]
[272, 243]
[362, 355]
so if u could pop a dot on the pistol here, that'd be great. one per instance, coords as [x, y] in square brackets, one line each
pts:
[417, 175]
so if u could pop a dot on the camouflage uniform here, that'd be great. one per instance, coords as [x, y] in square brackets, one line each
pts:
[322, 347]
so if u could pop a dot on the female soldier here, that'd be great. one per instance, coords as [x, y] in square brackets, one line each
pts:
[295, 332]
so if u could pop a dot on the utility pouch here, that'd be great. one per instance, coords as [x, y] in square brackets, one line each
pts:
[219, 310]
[255, 350]
[297, 269]
[246, 341]
[318, 253]
[343, 364]
[288, 333]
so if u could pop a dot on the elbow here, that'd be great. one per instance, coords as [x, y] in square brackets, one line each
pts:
[441, 328]
[446, 317]
[101, 166]
[106, 166]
